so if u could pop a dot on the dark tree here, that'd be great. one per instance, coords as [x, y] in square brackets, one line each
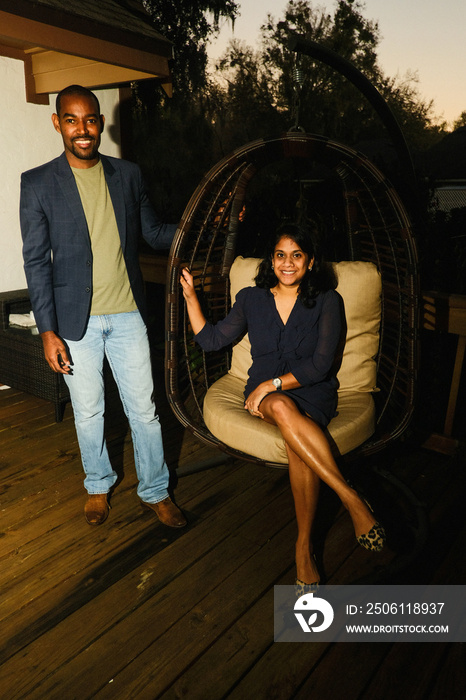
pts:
[173, 135]
[189, 24]
[328, 103]
[253, 93]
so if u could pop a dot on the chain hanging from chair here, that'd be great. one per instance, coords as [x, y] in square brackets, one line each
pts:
[300, 212]
[298, 82]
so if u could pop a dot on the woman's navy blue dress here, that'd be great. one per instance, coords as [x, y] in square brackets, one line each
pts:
[305, 346]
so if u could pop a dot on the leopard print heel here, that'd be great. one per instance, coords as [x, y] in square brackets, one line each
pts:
[300, 588]
[374, 540]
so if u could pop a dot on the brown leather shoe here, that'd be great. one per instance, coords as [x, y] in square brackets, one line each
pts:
[167, 512]
[96, 508]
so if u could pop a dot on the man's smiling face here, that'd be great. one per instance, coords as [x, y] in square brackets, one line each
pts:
[80, 126]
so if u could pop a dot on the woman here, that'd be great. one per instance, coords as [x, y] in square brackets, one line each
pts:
[293, 318]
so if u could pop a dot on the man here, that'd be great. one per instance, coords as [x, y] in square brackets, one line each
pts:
[81, 217]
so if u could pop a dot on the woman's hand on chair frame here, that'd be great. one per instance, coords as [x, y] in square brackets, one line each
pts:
[196, 317]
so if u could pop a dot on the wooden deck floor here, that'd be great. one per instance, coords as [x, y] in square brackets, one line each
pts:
[135, 610]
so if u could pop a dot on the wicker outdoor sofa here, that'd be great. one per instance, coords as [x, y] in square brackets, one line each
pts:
[22, 362]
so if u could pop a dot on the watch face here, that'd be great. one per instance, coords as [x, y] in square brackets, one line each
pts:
[277, 382]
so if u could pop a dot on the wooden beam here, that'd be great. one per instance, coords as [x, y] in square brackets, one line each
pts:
[447, 313]
[70, 42]
[11, 51]
[32, 95]
[53, 71]
[62, 57]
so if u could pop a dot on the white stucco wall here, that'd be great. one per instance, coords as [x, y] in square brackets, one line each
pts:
[29, 139]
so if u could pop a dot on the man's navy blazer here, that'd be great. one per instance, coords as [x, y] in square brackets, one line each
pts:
[56, 243]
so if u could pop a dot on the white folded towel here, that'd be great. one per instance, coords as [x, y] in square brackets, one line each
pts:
[24, 320]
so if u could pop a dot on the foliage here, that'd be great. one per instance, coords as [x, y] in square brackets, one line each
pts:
[461, 121]
[186, 23]
[174, 149]
[256, 93]
[173, 137]
[328, 103]
[414, 116]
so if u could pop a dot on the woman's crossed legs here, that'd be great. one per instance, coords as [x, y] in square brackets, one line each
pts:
[311, 460]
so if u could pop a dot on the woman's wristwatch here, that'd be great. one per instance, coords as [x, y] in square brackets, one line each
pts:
[277, 382]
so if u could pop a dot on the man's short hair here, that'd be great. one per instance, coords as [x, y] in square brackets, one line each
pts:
[75, 90]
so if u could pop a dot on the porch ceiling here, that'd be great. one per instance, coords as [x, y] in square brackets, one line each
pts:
[94, 44]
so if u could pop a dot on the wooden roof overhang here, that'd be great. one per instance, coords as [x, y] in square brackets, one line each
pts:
[96, 45]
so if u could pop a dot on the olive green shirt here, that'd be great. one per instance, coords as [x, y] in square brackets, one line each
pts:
[111, 290]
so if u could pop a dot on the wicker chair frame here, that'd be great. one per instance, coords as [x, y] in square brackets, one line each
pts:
[378, 230]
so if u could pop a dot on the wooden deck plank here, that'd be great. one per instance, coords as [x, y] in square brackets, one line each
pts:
[356, 664]
[452, 566]
[450, 681]
[197, 494]
[279, 672]
[409, 671]
[216, 671]
[180, 579]
[161, 657]
[160, 664]
[65, 558]
[189, 613]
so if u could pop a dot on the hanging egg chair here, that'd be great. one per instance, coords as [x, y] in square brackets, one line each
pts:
[371, 232]
[369, 238]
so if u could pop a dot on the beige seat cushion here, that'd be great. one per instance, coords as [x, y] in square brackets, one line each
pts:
[227, 419]
[359, 285]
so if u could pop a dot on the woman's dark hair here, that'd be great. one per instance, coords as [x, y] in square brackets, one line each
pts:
[319, 279]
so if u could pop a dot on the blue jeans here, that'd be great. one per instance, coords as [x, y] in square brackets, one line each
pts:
[122, 338]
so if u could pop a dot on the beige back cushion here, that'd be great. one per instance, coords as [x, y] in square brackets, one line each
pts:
[359, 284]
